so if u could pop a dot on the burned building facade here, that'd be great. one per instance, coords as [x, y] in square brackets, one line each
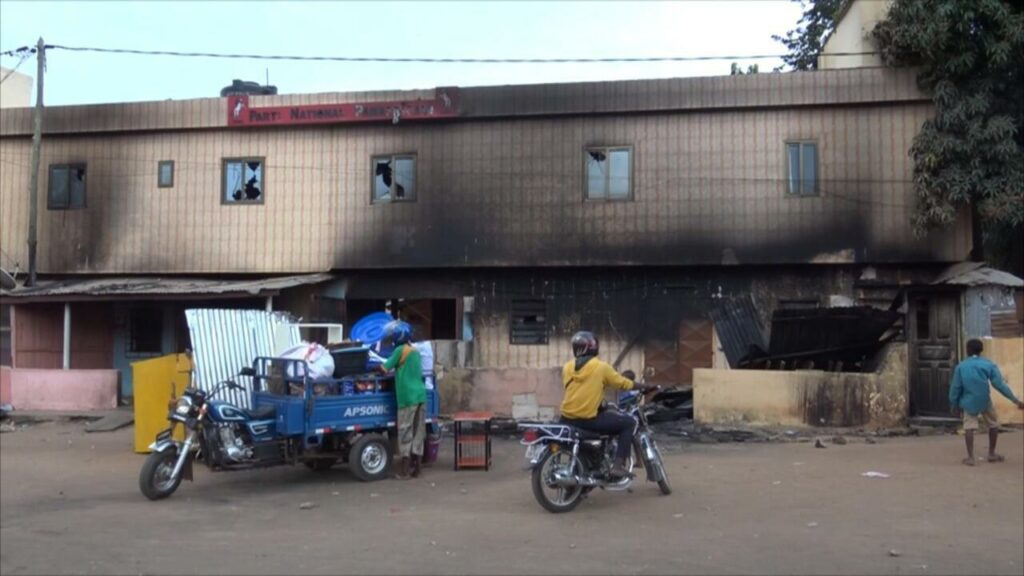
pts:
[505, 217]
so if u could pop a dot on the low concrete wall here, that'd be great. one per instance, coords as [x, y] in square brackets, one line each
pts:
[1008, 354]
[520, 393]
[41, 389]
[805, 397]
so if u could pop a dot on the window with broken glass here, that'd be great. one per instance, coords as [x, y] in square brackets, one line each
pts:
[243, 181]
[802, 161]
[394, 178]
[528, 322]
[609, 172]
[66, 189]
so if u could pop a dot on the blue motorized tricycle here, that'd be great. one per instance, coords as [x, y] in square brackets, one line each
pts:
[293, 419]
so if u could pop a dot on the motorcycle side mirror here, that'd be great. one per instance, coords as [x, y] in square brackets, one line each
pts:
[247, 371]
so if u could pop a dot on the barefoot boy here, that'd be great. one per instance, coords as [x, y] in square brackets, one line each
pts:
[969, 395]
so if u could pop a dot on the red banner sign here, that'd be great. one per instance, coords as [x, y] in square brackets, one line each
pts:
[444, 105]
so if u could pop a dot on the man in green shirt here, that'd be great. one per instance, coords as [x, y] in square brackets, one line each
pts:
[411, 395]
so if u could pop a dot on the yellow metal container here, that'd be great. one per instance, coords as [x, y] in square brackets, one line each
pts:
[156, 381]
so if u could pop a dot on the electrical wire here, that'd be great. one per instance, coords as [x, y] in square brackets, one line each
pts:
[18, 51]
[24, 56]
[425, 60]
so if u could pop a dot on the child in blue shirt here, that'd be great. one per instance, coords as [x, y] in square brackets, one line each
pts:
[969, 395]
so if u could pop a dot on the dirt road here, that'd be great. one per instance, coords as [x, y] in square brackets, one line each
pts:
[69, 503]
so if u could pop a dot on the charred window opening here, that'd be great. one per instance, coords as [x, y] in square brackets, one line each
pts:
[145, 331]
[608, 173]
[165, 174]
[802, 162]
[529, 322]
[5, 334]
[243, 181]
[394, 178]
[66, 187]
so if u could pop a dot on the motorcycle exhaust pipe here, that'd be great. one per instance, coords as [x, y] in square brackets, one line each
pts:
[566, 480]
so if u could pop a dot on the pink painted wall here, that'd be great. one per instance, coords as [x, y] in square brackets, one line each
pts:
[5, 384]
[41, 389]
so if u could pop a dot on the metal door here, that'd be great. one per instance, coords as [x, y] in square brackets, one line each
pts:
[934, 344]
[674, 362]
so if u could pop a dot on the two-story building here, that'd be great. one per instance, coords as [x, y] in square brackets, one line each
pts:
[505, 217]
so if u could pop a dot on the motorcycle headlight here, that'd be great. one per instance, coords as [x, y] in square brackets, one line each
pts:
[183, 406]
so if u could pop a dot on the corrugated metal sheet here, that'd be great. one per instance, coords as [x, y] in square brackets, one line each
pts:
[977, 274]
[121, 286]
[738, 327]
[225, 341]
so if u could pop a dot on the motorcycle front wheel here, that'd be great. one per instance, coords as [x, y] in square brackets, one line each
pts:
[661, 475]
[553, 498]
[155, 478]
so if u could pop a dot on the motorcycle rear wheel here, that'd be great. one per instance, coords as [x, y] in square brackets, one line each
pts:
[568, 498]
[154, 478]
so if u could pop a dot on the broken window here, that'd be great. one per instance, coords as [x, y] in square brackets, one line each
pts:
[66, 187]
[529, 322]
[608, 173]
[145, 331]
[802, 160]
[243, 181]
[394, 178]
[165, 174]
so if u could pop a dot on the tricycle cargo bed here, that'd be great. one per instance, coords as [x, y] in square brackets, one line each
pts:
[326, 405]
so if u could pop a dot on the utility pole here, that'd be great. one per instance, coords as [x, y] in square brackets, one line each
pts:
[37, 142]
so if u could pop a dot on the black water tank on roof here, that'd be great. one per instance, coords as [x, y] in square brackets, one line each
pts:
[251, 88]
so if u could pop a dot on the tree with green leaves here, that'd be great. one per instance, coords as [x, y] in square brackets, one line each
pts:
[736, 70]
[805, 42]
[971, 153]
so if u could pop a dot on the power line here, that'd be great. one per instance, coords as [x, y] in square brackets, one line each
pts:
[24, 52]
[423, 60]
[19, 51]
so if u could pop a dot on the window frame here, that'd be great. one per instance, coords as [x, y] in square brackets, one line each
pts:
[69, 166]
[224, 184]
[129, 339]
[159, 171]
[801, 142]
[394, 160]
[512, 323]
[586, 172]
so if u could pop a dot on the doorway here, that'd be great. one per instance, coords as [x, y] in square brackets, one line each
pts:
[934, 344]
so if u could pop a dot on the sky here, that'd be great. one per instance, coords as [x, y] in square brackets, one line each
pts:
[386, 29]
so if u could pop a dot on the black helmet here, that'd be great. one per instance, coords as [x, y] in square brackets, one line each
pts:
[584, 343]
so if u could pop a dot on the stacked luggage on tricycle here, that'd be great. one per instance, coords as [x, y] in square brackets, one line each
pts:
[294, 418]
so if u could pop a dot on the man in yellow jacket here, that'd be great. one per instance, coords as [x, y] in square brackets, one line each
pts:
[585, 379]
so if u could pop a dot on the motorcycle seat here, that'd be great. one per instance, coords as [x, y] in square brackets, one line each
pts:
[262, 413]
[587, 434]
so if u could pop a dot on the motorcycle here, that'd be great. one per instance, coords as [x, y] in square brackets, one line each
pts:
[568, 463]
[225, 436]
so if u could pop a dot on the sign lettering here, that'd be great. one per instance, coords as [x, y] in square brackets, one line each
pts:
[374, 410]
[443, 105]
